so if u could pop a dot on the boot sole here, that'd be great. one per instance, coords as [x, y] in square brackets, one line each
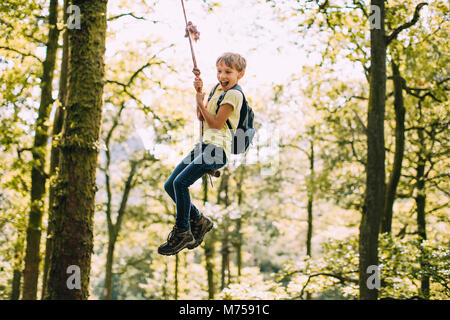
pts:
[201, 239]
[175, 252]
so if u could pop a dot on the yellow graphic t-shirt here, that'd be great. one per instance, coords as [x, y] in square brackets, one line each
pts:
[222, 137]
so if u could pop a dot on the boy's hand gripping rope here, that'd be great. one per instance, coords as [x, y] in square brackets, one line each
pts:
[191, 31]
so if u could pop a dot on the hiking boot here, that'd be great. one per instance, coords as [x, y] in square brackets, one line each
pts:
[176, 241]
[200, 227]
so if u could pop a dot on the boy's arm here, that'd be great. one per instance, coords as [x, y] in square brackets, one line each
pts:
[198, 85]
[214, 121]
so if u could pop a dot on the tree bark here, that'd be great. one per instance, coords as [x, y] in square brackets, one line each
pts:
[310, 198]
[238, 241]
[420, 205]
[238, 247]
[15, 292]
[375, 170]
[39, 153]
[225, 273]
[76, 188]
[54, 153]
[209, 248]
[114, 229]
[391, 188]
[209, 261]
[176, 276]
[165, 277]
[17, 266]
[107, 293]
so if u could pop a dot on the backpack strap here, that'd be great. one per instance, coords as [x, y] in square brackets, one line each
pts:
[212, 91]
[222, 96]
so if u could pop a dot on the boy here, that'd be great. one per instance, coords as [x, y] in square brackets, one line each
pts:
[212, 154]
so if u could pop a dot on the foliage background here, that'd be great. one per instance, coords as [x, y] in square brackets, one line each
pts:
[307, 82]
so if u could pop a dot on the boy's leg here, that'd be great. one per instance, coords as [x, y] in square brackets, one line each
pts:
[201, 224]
[181, 235]
[191, 173]
[168, 185]
[178, 239]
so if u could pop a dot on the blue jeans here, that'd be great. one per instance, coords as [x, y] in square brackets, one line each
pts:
[190, 169]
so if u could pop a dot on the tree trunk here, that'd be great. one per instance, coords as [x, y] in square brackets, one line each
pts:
[39, 153]
[74, 204]
[15, 292]
[114, 228]
[209, 248]
[238, 246]
[225, 237]
[375, 171]
[225, 257]
[421, 222]
[310, 198]
[17, 267]
[238, 242]
[209, 261]
[164, 285]
[108, 286]
[177, 261]
[54, 153]
[391, 188]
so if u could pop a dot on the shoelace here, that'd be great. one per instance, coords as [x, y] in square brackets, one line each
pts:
[196, 228]
[171, 238]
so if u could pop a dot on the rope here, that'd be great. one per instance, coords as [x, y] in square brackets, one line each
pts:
[190, 28]
[196, 71]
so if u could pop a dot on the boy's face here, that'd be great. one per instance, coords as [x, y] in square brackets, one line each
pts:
[227, 76]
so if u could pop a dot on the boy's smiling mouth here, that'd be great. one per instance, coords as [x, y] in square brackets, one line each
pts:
[224, 83]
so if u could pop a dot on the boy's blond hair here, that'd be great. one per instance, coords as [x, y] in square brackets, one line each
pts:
[233, 60]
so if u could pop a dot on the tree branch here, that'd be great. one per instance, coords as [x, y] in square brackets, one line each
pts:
[417, 95]
[23, 54]
[340, 277]
[360, 122]
[131, 14]
[362, 8]
[404, 26]
[123, 202]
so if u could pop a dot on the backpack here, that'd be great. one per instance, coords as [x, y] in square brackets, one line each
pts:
[244, 131]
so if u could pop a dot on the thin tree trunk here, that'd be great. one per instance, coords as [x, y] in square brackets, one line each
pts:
[114, 229]
[311, 191]
[421, 222]
[39, 153]
[310, 198]
[391, 188]
[238, 242]
[164, 286]
[209, 248]
[225, 256]
[225, 240]
[310, 220]
[108, 286]
[17, 271]
[238, 246]
[15, 292]
[375, 170]
[76, 188]
[209, 260]
[54, 153]
[176, 276]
